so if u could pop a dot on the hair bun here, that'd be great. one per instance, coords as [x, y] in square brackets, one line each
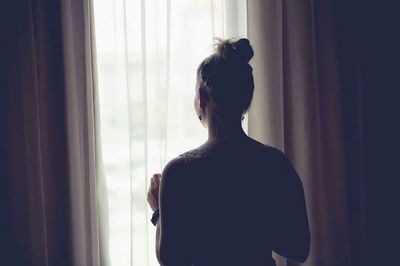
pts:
[237, 50]
[243, 50]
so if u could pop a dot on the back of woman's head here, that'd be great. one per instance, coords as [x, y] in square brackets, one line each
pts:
[227, 77]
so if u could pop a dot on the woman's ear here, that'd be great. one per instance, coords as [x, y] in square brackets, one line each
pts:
[203, 98]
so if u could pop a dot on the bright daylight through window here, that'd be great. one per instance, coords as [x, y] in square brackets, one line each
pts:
[147, 53]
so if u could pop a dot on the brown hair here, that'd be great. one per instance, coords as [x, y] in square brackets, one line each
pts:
[227, 77]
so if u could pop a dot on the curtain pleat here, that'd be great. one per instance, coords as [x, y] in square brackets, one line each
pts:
[297, 99]
[146, 123]
[88, 205]
[37, 173]
[265, 33]
[33, 146]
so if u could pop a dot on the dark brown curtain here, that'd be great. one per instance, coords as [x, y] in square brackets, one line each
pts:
[367, 38]
[34, 225]
[50, 179]
[297, 108]
[326, 75]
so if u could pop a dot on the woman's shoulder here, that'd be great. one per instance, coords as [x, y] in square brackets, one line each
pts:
[200, 153]
[193, 155]
[173, 170]
[249, 144]
[182, 160]
[267, 150]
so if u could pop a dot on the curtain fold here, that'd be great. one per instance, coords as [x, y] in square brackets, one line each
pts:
[297, 108]
[89, 206]
[53, 170]
[36, 180]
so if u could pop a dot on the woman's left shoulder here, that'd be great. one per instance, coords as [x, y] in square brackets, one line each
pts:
[193, 155]
[180, 164]
[175, 165]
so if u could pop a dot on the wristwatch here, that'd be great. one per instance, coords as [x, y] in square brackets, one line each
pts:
[155, 216]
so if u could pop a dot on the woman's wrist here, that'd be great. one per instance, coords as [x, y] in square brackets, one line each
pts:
[155, 217]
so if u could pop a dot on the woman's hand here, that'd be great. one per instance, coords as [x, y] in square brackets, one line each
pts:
[152, 194]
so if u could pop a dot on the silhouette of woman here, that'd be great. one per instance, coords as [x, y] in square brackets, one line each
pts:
[233, 200]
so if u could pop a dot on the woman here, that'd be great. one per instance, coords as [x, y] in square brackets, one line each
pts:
[233, 200]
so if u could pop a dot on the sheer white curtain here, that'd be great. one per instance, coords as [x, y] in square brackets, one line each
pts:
[147, 54]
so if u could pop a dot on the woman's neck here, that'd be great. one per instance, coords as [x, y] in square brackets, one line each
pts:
[225, 129]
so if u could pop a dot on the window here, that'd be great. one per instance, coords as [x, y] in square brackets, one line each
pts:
[147, 54]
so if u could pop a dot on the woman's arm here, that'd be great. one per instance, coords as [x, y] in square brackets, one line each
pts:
[291, 234]
[173, 227]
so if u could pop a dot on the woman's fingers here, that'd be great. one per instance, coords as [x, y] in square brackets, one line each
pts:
[156, 178]
[152, 195]
[155, 181]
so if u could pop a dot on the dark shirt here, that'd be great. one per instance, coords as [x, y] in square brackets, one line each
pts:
[235, 203]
